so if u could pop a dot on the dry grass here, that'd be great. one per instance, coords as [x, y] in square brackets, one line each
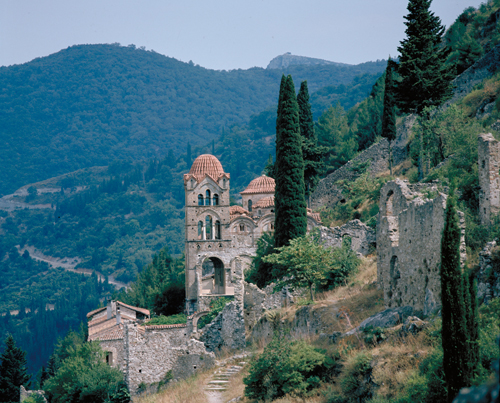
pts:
[191, 390]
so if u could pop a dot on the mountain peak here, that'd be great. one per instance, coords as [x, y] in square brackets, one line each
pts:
[287, 59]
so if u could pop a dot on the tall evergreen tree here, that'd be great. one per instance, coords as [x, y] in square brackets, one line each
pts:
[13, 372]
[426, 80]
[389, 114]
[453, 313]
[312, 153]
[290, 205]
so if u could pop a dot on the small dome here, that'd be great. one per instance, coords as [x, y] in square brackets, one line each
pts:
[265, 202]
[262, 184]
[206, 164]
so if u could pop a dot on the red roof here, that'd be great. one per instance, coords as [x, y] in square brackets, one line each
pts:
[204, 165]
[233, 210]
[262, 184]
[265, 202]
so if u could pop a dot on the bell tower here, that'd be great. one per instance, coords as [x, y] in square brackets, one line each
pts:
[207, 236]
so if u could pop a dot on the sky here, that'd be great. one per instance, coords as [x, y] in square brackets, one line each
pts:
[216, 34]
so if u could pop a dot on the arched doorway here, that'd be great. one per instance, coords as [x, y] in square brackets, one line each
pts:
[215, 266]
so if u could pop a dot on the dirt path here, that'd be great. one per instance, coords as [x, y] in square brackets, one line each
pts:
[217, 384]
[68, 264]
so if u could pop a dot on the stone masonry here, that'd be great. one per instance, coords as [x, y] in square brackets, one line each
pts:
[488, 275]
[409, 229]
[363, 239]
[489, 179]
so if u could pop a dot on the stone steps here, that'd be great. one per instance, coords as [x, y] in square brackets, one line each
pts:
[220, 379]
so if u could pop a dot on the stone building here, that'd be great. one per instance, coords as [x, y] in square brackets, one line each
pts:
[217, 234]
[409, 229]
[146, 354]
[488, 153]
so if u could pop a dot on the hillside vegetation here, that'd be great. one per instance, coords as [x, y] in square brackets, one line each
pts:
[89, 104]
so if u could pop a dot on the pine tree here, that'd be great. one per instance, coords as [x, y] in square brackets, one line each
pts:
[454, 327]
[426, 80]
[13, 371]
[313, 154]
[290, 205]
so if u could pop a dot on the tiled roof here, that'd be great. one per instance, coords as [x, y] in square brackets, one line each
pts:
[265, 202]
[134, 308]
[94, 322]
[92, 313]
[262, 184]
[165, 326]
[234, 210]
[204, 165]
[111, 333]
[315, 216]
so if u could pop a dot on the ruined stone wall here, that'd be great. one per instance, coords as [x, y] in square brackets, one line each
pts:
[363, 239]
[489, 178]
[328, 194]
[488, 276]
[24, 394]
[409, 230]
[227, 330]
[152, 353]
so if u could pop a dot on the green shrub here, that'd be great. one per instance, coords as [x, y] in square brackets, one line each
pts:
[432, 368]
[373, 335]
[356, 382]
[415, 390]
[168, 320]
[286, 367]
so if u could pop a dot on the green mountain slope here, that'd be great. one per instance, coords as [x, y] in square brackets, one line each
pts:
[89, 104]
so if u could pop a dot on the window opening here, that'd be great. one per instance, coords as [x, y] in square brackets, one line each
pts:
[250, 205]
[200, 229]
[208, 227]
[216, 200]
[207, 198]
[217, 230]
[200, 200]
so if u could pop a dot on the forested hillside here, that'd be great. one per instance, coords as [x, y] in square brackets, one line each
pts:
[90, 104]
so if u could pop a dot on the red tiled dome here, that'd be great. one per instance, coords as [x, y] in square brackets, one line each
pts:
[206, 164]
[262, 184]
[265, 202]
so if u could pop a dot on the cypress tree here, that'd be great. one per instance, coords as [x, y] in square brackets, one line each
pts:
[13, 371]
[426, 79]
[312, 154]
[290, 205]
[454, 328]
[472, 314]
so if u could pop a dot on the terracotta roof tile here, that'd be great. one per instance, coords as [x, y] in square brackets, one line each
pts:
[205, 165]
[92, 313]
[262, 184]
[265, 202]
[165, 326]
[234, 210]
[111, 333]
[142, 310]
[315, 216]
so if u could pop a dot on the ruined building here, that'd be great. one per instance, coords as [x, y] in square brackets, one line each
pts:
[488, 153]
[409, 228]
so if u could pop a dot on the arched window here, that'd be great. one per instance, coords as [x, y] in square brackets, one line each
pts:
[216, 200]
[200, 200]
[200, 229]
[250, 206]
[242, 227]
[208, 227]
[223, 183]
[217, 230]
[207, 198]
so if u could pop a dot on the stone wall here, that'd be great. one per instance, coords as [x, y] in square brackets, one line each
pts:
[152, 352]
[117, 350]
[227, 330]
[489, 178]
[400, 144]
[488, 276]
[363, 238]
[24, 394]
[409, 229]
[327, 194]
[483, 68]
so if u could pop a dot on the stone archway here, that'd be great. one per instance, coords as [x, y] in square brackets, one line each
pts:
[216, 266]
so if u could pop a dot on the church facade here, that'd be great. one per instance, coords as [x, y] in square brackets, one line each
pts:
[220, 236]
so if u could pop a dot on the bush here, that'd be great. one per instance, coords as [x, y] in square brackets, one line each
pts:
[168, 320]
[286, 367]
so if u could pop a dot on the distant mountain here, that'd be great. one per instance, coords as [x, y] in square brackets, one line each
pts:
[88, 105]
[287, 60]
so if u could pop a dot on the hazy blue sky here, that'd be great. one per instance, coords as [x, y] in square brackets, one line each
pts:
[217, 34]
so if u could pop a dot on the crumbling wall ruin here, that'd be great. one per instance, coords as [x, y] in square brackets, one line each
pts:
[409, 230]
[488, 153]
[488, 275]
[363, 238]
